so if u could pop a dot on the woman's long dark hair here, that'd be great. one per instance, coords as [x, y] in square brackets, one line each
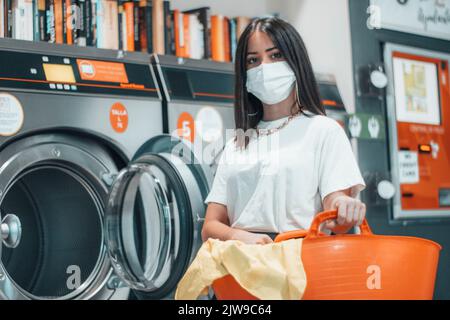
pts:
[248, 108]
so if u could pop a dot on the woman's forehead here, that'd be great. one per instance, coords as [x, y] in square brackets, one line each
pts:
[259, 42]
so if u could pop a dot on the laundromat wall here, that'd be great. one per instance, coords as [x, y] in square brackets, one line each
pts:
[367, 48]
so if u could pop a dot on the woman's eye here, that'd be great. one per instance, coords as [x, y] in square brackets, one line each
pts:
[277, 55]
[251, 60]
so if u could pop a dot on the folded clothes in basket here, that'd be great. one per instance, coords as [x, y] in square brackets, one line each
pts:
[270, 272]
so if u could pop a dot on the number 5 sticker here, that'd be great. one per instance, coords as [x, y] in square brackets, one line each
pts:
[186, 126]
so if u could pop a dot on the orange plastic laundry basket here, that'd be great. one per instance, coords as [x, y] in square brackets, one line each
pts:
[350, 266]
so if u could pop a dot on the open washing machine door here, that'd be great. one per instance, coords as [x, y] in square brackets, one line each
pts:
[154, 216]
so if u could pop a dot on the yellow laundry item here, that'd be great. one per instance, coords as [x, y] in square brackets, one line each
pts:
[269, 272]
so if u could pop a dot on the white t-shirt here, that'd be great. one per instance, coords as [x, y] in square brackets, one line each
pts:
[278, 182]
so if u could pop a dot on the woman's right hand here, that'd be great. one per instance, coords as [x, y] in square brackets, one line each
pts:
[217, 226]
[249, 237]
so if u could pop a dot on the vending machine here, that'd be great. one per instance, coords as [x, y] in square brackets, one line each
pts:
[418, 117]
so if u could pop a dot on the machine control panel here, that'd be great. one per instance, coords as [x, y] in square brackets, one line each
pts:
[34, 71]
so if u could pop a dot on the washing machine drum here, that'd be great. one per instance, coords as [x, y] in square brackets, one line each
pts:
[60, 217]
[154, 217]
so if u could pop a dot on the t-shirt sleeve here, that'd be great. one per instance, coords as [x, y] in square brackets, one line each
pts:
[338, 168]
[218, 192]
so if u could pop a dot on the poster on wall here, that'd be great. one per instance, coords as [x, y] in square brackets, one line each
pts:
[429, 18]
[416, 89]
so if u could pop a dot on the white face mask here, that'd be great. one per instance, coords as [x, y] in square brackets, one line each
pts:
[271, 82]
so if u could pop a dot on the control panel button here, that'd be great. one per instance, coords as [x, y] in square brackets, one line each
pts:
[59, 86]
[45, 58]
[66, 87]
[386, 189]
[52, 86]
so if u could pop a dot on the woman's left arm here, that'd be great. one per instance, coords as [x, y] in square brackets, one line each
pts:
[351, 211]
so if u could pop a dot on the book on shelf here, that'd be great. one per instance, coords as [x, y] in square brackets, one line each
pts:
[8, 18]
[50, 21]
[131, 25]
[167, 27]
[203, 16]
[22, 16]
[126, 26]
[2, 18]
[227, 38]
[107, 24]
[180, 44]
[218, 38]
[158, 27]
[147, 8]
[71, 22]
[81, 23]
[40, 23]
[233, 38]
[241, 24]
[92, 24]
[59, 21]
[144, 16]
[136, 34]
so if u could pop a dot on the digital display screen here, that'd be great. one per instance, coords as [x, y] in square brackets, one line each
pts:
[59, 73]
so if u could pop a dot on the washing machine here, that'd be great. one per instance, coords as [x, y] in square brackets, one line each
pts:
[95, 201]
[198, 104]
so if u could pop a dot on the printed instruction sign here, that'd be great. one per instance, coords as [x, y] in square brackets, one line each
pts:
[408, 165]
[416, 91]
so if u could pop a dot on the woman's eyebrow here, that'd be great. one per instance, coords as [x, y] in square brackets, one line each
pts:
[267, 50]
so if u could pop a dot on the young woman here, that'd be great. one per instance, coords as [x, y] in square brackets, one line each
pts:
[291, 161]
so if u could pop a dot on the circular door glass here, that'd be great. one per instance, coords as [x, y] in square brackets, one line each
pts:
[149, 226]
[61, 243]
[138, 226]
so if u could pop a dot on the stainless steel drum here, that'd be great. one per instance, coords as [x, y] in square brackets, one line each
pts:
[54, 185]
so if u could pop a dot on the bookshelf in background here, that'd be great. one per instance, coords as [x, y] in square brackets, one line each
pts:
[146, 25]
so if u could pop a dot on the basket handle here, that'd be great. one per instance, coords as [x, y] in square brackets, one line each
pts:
[332, 215]
[313, 231]
[301, 233]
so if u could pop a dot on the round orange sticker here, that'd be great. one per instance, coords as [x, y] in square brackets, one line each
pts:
[118, 117]
[186, 126]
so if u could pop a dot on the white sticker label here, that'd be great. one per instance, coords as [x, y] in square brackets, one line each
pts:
[355, 126]
[408, 165]
[209, 124]
[11, 115]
